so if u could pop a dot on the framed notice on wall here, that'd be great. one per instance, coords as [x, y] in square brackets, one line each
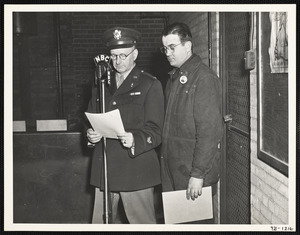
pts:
[273, 90]
[278, 47]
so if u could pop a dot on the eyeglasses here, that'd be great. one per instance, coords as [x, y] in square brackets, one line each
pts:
[171, 48]
[121, 56]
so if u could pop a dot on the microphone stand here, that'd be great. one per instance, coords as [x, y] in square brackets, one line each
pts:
[106, 214]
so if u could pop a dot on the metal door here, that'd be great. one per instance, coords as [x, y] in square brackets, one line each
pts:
[235, 175]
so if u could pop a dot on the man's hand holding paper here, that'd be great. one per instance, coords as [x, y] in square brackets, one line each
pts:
[93, 136]
[107, 125]
[194, 188]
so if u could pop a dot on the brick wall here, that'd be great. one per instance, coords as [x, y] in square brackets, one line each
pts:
[86, 40]
[269, 188]
[81, 40]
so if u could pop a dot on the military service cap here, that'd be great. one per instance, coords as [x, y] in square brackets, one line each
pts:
[120, 37]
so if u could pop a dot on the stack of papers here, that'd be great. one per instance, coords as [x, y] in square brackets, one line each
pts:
[108, 124]
[178, 209]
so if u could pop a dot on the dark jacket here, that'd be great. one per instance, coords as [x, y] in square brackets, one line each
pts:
[140, 101]
[193, 126]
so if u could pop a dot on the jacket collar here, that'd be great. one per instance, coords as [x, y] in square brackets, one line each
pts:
[186, 68]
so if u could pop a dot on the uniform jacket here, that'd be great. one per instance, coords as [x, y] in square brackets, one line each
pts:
[141, 104]
[193, 126]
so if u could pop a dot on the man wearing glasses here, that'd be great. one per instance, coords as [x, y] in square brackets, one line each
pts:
[132, 163]
[192, 131]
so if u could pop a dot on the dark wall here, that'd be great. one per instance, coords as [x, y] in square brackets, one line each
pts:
[34, 83]
[35, 72]
[51, 179]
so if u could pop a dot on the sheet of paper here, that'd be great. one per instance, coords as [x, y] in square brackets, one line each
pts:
[177, 209]
[108, 124]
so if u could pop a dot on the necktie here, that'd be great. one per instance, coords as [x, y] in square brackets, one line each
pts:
[120, 81]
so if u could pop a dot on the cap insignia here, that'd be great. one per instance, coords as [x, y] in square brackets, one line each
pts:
[117, 34]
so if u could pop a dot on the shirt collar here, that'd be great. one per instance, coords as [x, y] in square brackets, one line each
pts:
[125, 75]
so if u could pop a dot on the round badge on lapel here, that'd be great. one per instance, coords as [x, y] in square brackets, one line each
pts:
[183, 79]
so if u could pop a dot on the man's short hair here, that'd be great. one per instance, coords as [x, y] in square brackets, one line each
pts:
[181, 29]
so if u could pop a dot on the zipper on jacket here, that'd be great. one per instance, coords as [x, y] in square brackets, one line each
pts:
[166, 130]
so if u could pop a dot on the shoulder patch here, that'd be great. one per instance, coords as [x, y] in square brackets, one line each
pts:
[148, 74]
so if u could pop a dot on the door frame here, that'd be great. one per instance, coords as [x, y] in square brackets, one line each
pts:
[224, 73]
[224, 76]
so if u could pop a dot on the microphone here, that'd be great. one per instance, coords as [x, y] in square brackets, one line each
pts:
[101, 70]
[103, 67]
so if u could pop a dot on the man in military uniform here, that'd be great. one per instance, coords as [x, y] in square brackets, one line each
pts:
[132, 163]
